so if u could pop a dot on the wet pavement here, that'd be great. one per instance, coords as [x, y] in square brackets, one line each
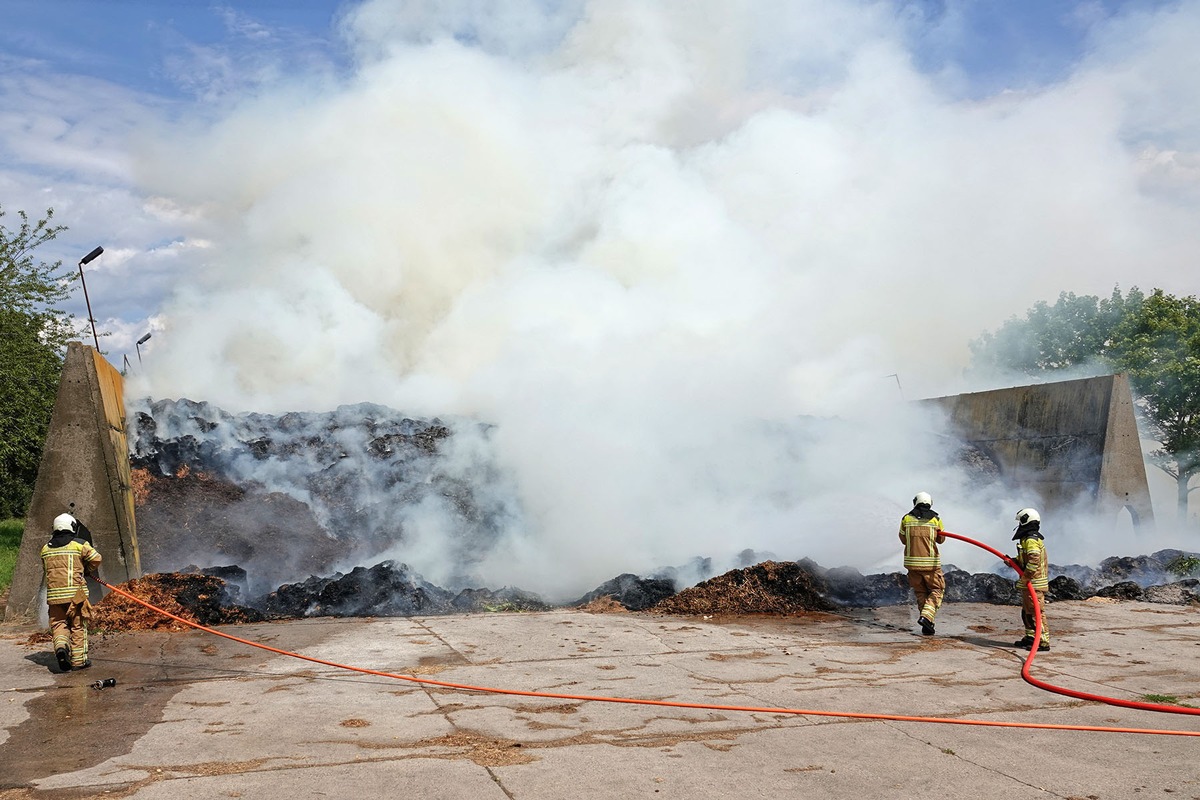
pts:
[193, 715]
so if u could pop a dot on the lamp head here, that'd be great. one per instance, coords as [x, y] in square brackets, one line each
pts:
[91, 256]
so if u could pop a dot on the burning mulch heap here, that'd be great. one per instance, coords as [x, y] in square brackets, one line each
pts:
[210, 596]
[628, 592]
[301, 493]
[199, 598]
[771, 587]
[389, 589]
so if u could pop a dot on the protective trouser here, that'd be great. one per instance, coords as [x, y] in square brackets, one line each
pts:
[1027, 615]
[68, 625]
[929, 585]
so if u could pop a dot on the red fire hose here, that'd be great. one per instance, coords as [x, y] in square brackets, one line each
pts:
[1037, 637]
[752, 709]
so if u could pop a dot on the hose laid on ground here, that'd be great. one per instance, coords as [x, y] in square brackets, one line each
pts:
[1037, 637]
[716, 707]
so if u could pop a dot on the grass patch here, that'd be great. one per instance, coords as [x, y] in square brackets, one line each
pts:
[1165, 699]
[10, 543]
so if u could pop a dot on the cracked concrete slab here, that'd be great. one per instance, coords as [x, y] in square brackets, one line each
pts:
[198, 716]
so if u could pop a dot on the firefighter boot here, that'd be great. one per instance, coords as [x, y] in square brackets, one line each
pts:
[926, 626]
[64, 659]
[1026, 643]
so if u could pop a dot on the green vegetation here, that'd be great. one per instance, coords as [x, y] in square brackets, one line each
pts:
[1184, 566]
[10, 543]
[1165, 699]
[33, 334]
[1154, 339]
[500, 608]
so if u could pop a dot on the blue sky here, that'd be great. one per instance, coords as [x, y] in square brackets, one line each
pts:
[133, 43]
[997, 43]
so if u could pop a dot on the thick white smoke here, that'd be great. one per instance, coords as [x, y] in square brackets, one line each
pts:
[637, 237]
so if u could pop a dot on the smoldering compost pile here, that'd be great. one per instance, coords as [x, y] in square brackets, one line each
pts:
[302, 494]
[210, 596]
[195, 597]
[270, 507]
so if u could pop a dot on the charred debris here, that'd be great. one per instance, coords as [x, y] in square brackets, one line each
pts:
[213, 595]
[266, 498]
[304, 493]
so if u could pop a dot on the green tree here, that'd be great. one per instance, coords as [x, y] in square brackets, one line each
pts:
[33, 334]
[1158, 346]
[1075, 331]
[1154, 339]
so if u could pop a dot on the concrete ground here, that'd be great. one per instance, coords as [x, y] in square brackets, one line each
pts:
[196, 716]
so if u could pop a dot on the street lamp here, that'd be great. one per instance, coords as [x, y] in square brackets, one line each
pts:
[87, 260]
[139, 344]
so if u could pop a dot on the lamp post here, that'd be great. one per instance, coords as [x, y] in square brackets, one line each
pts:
[87, 260]
[139, 344]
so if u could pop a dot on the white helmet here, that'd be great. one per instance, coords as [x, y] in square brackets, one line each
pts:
[922, 498]
[65, 522]
[1027, 515]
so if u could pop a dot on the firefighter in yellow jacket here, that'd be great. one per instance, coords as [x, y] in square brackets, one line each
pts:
[65, 559]
[1035, 571]
[921, 533]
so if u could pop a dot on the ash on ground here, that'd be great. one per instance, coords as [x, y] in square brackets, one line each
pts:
[212, 596]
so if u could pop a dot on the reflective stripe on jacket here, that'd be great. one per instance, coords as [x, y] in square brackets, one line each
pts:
[64, 570]
[921, 539]
[1031, 555]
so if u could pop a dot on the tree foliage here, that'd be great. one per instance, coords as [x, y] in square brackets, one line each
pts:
[1158, 346]
[1154, 339]
[33, 333]
[1075, 331]
[31, 287]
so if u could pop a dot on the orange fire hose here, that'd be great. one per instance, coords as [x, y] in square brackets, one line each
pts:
[716, 707]
[1037, 637]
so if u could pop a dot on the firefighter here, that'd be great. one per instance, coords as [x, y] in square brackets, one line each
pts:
[65, 560]
[921, 533]
[1035, 571]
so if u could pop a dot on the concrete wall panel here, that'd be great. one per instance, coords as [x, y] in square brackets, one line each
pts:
[1068, 442]
[86, 462]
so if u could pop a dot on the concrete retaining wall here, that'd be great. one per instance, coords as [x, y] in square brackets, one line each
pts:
[1070, 442]
[85, 462]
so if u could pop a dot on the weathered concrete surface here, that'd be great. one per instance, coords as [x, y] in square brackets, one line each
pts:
[86, 462]
[1068, 441]
[193, 715]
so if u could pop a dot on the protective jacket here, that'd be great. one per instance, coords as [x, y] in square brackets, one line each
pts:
[64, 559]
[921, 533]
[1031, 556]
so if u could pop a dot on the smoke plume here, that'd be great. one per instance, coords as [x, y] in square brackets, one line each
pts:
[657, 246]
